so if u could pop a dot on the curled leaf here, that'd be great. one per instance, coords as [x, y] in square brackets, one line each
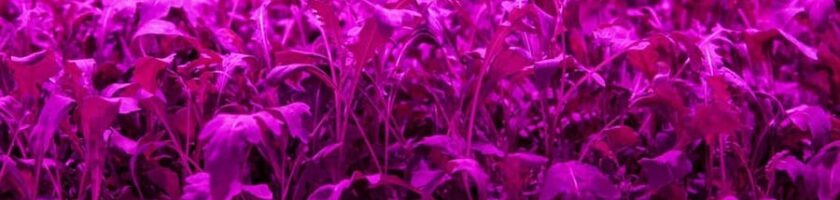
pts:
[33, 70]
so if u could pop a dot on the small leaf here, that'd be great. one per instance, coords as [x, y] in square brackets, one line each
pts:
[326, 151]
[452, 146]
[621, 137]
[714, 119]
[97, 114]
[335, 191]
[293, 116]
[371, 38]
[55, 110]
[262, 34]
[33, 70]
[165, 179]
[508, 62]
[576, 180]
[157, 27]
[472, 168]
[146, 71]
[327, 19]
[197, 187]
[280, 73]
[123, 143]
[806, 50]
[10, 110]
[666, 168]
[756, 42]
[260, 191]
[549, 69]
[298, 57]
[227, 137]
[813, 119]
[643, 57]
[427, 179]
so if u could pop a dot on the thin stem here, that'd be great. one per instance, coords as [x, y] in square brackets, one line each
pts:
[367, 142]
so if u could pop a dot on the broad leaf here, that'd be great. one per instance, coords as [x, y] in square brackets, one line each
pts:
[146, 72]
[373, 36]
[577, 180]
[32, 71]
[97, 114]
[666, 168]
[227, 137]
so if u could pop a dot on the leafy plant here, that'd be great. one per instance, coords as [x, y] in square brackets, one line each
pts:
[419, 99]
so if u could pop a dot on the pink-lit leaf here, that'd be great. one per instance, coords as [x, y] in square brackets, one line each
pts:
[279, 74]
[335, 191]
[547, 70]
[520, 169]
[577, 180]
[806, 50]
[666, 168]
[813, 119]
[326, 151]
[146, 72]
[260, 191]
[10, 110]
[373, 36]
[451, 146]
[197, 187]
[262, 34]
[298, 57]
[97, 114]
[756, 42]
[327, 19]
[427, 179]
[393, 17]
[643, 57]
[824, 167]
[121, 142]
[55, 110]
[474, 170]
[19, 181]
[508, 62]
[157, 27]
[227, 137]
[621, 137]
[33, 70]
[165, 179]
[231, 63]
[293, 116]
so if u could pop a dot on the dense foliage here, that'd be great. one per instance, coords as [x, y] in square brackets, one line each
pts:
[419, 99]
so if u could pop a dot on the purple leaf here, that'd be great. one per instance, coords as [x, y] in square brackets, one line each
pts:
[197, 187]
[146, 72]
[666, 168]
[262, 34]
[260, 191]
[327, 19]
[324, 152]
[32, 71]
[577, 180]
[371, 37]
[293, 115]
[157, 27]
[813, 119]
[547, 70]
[227, 137]
[474, 170]
[166, 179]
[55, 110]
[97, 114]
